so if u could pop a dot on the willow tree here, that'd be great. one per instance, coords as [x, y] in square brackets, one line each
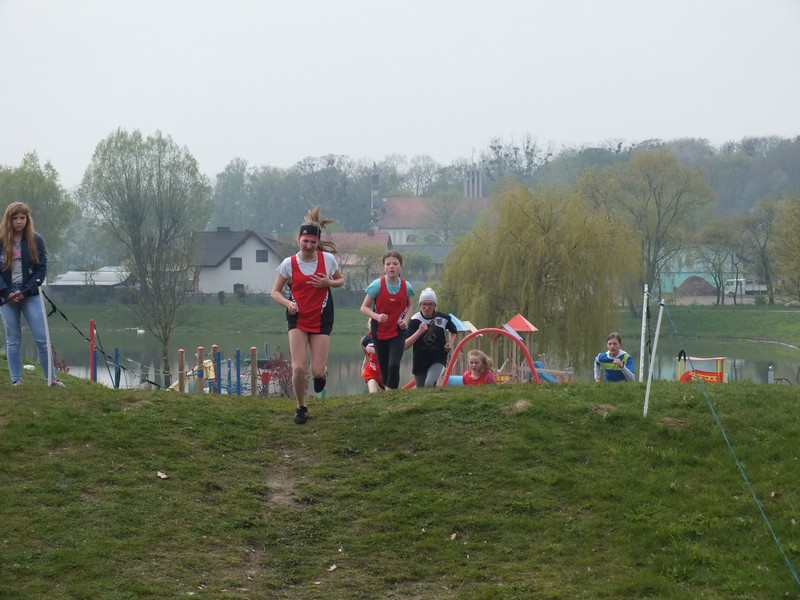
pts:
[787, 247]
[548, 255]
[151, 195]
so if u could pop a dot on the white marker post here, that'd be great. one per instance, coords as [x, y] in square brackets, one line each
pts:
[653, 357]
[645, 304]
[47, 337]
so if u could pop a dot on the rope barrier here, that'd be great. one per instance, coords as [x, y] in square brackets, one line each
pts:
[739, 466]
[55, 309]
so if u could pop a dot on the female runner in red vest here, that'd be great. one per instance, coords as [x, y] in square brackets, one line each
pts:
[310, 275]
[388, 303]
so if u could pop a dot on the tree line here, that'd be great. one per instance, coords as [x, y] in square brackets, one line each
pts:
[570, 228]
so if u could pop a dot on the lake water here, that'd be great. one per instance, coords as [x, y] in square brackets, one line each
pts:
[140, 353]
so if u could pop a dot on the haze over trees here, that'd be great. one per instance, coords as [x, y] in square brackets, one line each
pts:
[727, 209]
[659, 199]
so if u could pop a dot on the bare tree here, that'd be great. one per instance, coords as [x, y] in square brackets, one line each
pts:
[658, 198]
[152, 196]
[715, 245]
[422, 175]
[759, 233]
[446, 217]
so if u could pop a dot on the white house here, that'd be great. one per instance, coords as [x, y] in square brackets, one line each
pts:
[228, 261]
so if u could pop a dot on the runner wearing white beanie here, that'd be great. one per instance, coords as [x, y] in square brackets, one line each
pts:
[427, 295]
[432, 335]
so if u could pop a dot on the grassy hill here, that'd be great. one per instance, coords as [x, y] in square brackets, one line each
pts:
[497, 492]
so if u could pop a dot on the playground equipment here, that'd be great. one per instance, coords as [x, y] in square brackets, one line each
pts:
[496, 332]
[233, 375]
[506, 342]
[553, 375]
[197, 377]
[688, 373]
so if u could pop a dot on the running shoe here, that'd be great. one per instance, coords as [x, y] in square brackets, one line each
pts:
[301, 415]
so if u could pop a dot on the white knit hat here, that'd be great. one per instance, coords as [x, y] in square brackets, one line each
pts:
[427, 295]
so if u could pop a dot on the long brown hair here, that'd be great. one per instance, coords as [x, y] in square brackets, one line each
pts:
[314, 217]
[28, 234]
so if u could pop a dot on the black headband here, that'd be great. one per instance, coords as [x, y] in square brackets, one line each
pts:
[309, 229]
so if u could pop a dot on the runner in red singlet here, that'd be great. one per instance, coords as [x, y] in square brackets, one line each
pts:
[388, 303]
[310, 274]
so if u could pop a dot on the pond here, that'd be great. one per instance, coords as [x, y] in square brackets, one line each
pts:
[139, 353]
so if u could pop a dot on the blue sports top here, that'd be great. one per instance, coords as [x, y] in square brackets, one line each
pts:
[604, 362]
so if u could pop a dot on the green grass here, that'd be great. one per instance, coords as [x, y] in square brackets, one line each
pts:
[750, 322]
[496, 492]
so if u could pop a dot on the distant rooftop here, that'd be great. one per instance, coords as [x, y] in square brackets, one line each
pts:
[212, 248]
[104, 276]
[411, 212]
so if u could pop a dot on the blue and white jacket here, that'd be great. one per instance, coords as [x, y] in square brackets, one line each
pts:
[604, 362]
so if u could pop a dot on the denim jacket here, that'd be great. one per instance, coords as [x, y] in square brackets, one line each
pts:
[32, 274]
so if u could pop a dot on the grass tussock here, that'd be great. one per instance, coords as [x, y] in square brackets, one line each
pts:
[496, 492]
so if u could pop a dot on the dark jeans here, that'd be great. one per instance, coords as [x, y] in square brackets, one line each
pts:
[389, 353]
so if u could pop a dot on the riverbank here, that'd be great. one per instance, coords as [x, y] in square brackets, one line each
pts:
[750, 322]
[778, 324]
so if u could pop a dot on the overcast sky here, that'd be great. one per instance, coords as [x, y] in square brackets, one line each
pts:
[276, 81]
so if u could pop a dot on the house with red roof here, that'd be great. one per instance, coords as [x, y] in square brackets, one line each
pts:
[409, 220]
[359, 255]
[349, 243]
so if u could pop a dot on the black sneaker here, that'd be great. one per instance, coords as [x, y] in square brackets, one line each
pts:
[319, 384]
[301, 415]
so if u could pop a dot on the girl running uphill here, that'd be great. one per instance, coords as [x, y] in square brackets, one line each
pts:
[617, 364]
[431, 335]
[23, 264]
[480, 369]
[310, 274]
[388, 304]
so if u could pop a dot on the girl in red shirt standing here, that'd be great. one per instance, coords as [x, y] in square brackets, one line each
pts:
[310, 275]
[388, 303]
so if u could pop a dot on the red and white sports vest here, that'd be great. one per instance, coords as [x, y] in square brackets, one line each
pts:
[311, 301]
[392, 305]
